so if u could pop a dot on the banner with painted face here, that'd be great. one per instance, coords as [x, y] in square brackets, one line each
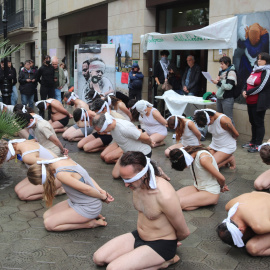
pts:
[94, 69]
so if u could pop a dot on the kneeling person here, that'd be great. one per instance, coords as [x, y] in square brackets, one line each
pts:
[160, 225]
[248, 223]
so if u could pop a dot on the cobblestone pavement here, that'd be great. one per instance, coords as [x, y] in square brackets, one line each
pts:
[25, 244]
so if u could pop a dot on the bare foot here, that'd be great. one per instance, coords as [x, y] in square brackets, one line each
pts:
[158, 144]
[97, 223]
[163, 174]
[60, 191]
[232, 163]
[100, 217]
[175, 259]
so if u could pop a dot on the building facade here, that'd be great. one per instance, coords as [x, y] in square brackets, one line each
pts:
[71, 22]
[24, 26]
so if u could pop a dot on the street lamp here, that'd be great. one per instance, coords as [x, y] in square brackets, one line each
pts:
[6, 86]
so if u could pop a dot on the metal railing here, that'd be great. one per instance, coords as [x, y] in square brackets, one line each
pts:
[19, 19]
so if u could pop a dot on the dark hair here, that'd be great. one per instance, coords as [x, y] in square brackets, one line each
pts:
[135, 114]
[21, 63]
[224, 234]
[86, 62]
[264, 56]
[41, 106]
[27, 62]
[97, 104]
[67, 95]
[200, 118]
[19, 107]
[265, 154]
[173, 67]
[64, 65]
[114, 101]
[180, 127]
[226, 60]
[90, 95]
[165, 52]
[46, 56]
[177, 157]
[26, 117]
[77, 114]
[138, 162]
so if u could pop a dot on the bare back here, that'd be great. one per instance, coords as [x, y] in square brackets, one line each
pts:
[254, 210]
[153, 223]
[81, 104]
[56, 108]
[30, 145]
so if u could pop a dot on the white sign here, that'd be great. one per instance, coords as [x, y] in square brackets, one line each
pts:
[219, 35]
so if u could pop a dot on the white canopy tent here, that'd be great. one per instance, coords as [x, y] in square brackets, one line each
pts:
[219, 35]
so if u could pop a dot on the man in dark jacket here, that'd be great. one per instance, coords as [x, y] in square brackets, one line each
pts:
[14, 95]
[135, 82]
[45, 76]
[34, 69]
[10, 77]
[28, 84]
[192, 78]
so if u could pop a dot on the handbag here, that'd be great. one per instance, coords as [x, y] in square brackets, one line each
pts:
[166, 86]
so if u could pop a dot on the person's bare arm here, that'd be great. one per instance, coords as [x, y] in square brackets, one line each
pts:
[59, 107]
[56, 141]
[159, 118]
[170, 206]
[193, 128]
[144, 138]
[226, 124]
[123, 108]
[68, 179]
[157, 80]
[206, 162]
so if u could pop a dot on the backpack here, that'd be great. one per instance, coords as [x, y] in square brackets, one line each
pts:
[236, 89]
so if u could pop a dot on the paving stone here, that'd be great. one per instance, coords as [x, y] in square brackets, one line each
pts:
[214, 247]
[34, 233]
[9, 237]
[187, 265]
[202, 212]
[23, 216]
[17, 261]
[48, 254]
[36, 222]
[26, 245]
[218, 262]
[78, 249]
[30, 207]
[192, 254]
[14, 225]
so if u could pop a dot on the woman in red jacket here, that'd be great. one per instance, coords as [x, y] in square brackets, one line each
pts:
[257, 95]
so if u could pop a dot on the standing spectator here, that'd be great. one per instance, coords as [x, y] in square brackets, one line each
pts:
[226, 82]
[174, 78]
[160, 74]
[10, 76]
[119, 55]
[59, 78]
[65, 87]
[257, 95]
[135, 82]
[35, 69]
[14, 95]
[28, 84]
[191, 78]
[45, 76]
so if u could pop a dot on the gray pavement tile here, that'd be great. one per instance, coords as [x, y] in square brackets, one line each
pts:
[193, 240]
[36, 222]
[191, 254]
[26, 245]
[219, 261]
[14, 225]
[30, 207]
[188, 265]
[214, 247]
[9, 237]
[23, 216]
[17, 261]
[49, 255]
[34, 233]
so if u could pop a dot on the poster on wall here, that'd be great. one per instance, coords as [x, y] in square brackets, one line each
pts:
[123, 60]
[252, 38]
[94, 69]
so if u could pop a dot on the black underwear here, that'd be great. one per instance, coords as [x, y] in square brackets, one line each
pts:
[64, 121]
[165, 248]
[106, 139]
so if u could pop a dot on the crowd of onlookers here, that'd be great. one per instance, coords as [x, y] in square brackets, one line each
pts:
[52, 76]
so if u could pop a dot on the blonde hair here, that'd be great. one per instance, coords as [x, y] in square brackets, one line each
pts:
[3, 151]
[34, 175]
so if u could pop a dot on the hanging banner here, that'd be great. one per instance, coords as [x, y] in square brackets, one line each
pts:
[219, 35]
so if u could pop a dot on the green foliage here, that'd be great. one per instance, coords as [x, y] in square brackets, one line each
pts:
[10, 124]
[6, 49]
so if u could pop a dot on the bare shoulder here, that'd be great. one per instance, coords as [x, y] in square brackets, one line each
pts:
[225, 119]
[56, 103]
[166, 190]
